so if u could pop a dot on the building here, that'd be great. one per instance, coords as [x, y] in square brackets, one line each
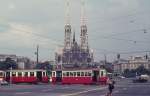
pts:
[22, 62]
[132, 63]
[4, 56]
[75, 54]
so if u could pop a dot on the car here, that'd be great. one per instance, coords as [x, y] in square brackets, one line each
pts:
[3, 82]
[141, 79]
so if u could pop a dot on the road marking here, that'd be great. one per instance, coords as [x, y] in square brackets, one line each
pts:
[116, 91]
[46, 90]
[19, 93]
[77, 93]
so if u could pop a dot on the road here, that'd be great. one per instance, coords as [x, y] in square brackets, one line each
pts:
[123, 87]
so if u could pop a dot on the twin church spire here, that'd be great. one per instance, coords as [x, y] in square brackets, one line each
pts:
[68, 28]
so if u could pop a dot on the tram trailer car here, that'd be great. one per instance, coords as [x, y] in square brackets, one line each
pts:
[27, 76]
[82, 76]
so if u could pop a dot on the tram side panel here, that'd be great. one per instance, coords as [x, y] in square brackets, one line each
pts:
[77, 77]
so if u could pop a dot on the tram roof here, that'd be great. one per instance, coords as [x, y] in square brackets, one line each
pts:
[22, 70]
[74, 69]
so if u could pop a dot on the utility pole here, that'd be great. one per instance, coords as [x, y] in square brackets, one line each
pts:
[105, 59]
[37, 54]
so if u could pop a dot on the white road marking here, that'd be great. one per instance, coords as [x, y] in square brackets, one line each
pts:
[116, 91]
[46, 90]
[22, 93]
[77, 93]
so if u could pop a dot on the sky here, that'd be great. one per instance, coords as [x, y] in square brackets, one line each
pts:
[114, 26]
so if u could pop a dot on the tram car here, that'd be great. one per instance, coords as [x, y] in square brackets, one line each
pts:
[79, 76]
[27, 76]
[2, 75]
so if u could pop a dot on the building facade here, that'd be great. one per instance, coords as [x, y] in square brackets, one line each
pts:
[132, 63]
[22, 62]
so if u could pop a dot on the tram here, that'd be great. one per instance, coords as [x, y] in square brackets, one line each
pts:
[27, 76]
[79, 76]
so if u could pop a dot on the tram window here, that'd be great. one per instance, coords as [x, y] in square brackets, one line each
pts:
[1, 73]
[71, 74]
[74, 74]
[19, 73]
[7, 74]
[67, 74]
[13, 73]
[82, 73]
[26, 74]
[102, 73]
[44, 74]
[31, 73]
[86, 74]
[78, 73]
[64, 74]
[54, 74]
[89, 74]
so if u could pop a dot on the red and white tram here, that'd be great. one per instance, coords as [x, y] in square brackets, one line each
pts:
[27, 76]
[79, 76]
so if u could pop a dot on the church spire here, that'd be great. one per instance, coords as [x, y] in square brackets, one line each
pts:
[67, 40]
[84, 34]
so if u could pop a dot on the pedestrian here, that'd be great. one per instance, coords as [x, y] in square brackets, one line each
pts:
[110, 87]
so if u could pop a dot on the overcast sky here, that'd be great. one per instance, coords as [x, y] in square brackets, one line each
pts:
[114, 26]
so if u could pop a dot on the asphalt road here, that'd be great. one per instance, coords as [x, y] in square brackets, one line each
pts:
[123, 87]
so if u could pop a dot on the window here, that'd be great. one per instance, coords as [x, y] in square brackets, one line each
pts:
[26, 74]
[64, 74]
[13, 73]
[31, 73]
[86, 73]
[67, 73]
[71, 74]
[74, 74]
[89, 74]
[19, 73]
[44, 74]
[78, 73]
[1, 73]
[82, 73]
[102, 73]
[53, 74]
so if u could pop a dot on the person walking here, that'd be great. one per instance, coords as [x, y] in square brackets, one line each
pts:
[110, 87]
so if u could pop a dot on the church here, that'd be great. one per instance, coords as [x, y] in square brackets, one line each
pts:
[75, 54]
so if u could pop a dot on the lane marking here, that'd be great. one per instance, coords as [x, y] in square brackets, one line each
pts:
[116, 91]
[46, 90]
[77, 93]
[19, 93]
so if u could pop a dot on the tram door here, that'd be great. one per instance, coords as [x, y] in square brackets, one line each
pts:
[95, 76]
[58, 76]
[39, 75]
[7, 76]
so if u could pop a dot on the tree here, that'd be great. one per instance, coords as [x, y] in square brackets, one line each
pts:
[7, 64]
[10, 63]
[141, 70]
